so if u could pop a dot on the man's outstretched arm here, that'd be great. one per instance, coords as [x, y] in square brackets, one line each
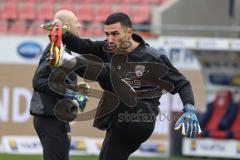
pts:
[188, 122]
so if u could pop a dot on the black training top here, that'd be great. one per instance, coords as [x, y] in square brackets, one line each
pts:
[143, 53]
[143, 61]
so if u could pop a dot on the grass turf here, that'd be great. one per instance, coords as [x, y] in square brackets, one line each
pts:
[38, 157]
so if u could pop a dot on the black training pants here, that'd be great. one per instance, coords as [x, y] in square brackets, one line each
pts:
[132, 127]
[54, 136]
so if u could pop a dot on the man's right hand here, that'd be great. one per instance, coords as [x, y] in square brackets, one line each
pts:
[49, 25]
[78, 99]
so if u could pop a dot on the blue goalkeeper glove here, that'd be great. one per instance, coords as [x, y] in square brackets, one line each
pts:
[188, 122]
[77, 98]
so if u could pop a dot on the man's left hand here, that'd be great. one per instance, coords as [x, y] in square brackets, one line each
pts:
[188, 122]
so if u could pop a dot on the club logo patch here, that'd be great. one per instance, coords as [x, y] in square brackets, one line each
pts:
[139, 70]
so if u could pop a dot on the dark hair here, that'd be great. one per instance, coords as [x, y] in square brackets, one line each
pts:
[119, 17]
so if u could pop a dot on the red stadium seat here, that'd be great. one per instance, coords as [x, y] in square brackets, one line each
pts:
[125, 9]
[50, 1]
[9, 11]
[220, 105]
[28, 11]
[102, 12]
[99, 32]
[18, 27]
[111, 1]
[235, 128]
[3, 27]
[230, 130]
[153, 1]
[46, 11]
[130, 1]
[29, 1]
[37, 29]
[87, 31]
[85, 13]
[218, 111]
[65, 1]
[66, 6]
[141, 14]
[89, 1]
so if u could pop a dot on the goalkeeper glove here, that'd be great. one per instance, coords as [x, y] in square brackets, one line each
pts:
[77, 98]
[189, 122]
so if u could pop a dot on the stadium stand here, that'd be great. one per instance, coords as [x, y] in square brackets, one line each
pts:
[101, 12]
[66, 5]
[45, 11]
[141, 14]
[124, 8]
[3, 26]
[234, 130]
[131, 1]
[9, 11]
[219, 116]
[18, 27]
[28, 11]
[90, 12]
[85, 13]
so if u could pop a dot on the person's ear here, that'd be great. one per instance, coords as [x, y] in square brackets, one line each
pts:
[69, 27]
[130, 31]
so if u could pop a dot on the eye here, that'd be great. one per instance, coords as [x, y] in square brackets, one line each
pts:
[107, 34]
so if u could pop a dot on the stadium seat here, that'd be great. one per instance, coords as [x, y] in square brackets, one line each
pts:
[45, 11]
[235, 127]
[111, 1]
[9, 11]
[141, 14]
[18, 27]
[3, 27]
[66, 5]
[90, 1]
[131, 1]
[232, 130]
[85, 13]
[9, 1]
[101, 12]
[37, 29]
[50, 1]
[221, 109]
[153, 1]
[66, 1]
[87, 31]
[98, 32]
[125, 9]
[29, 1]
[28, 11]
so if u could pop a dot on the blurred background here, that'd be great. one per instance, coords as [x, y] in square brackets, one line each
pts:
[200, 37]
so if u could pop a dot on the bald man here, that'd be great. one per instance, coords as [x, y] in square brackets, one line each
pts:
[70, 20]
[53, 133]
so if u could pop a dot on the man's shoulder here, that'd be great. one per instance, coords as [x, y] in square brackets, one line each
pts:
[148, 50]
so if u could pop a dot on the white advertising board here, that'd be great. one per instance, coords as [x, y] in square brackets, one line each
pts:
[206, 147]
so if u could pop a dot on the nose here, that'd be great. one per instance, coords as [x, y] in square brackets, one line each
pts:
[110, 39]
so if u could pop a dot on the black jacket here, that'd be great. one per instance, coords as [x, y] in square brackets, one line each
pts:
[143, 53]
[43, 98]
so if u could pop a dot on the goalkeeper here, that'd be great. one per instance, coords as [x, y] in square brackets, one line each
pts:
[124, 136]
[54, 134]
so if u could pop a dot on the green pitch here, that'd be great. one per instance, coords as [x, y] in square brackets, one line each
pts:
[28, 157]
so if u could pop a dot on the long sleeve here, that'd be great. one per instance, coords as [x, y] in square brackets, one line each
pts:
[41, 75]
[180, 83]
[82, 46]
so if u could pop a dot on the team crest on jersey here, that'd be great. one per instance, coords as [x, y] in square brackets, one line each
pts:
[139, 70]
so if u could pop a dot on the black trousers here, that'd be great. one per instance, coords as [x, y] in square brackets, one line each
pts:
[132, 127]
[54, 136]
